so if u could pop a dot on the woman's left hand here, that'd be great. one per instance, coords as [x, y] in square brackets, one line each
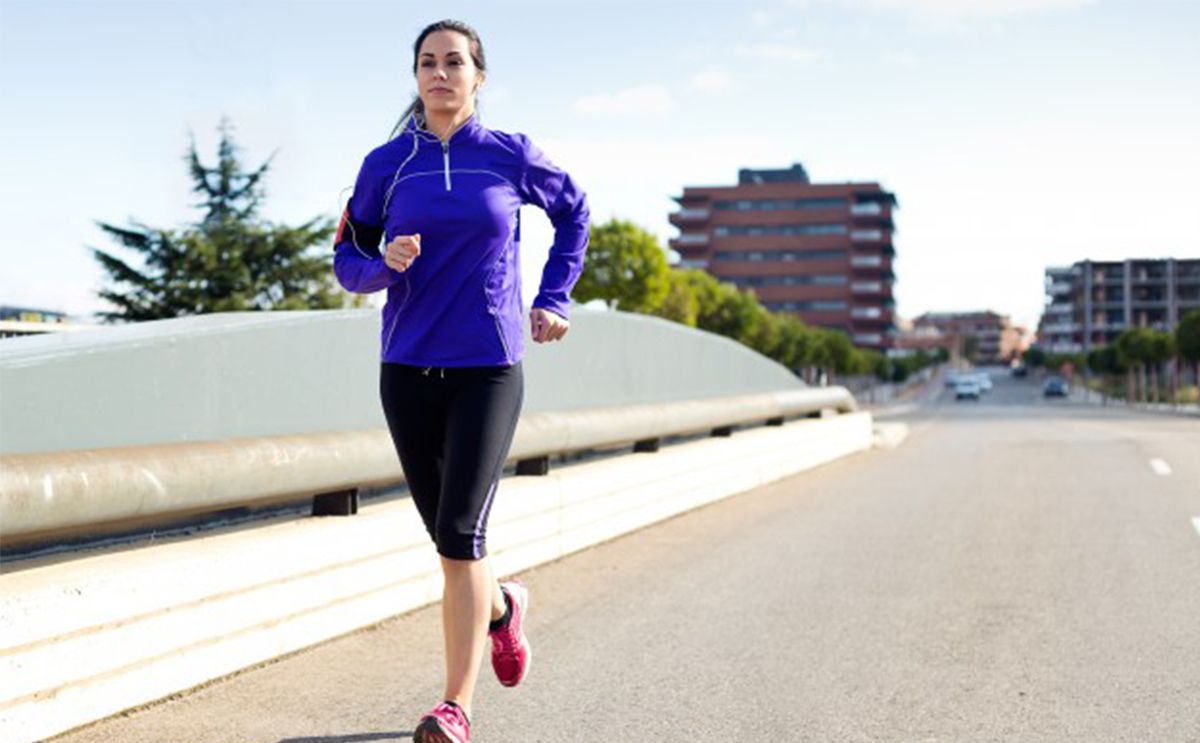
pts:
[547, 326]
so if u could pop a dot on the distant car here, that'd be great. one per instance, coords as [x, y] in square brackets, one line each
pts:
[1055, 387]
[984, 380]
[967, 389]
[952, 378]
[1020, 371]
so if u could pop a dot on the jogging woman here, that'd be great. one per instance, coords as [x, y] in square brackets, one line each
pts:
[443, 195]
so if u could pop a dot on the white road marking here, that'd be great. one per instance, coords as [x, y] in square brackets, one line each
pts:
[1160, 467]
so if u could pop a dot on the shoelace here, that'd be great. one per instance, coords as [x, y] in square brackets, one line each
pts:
[509, 641]
[456, 714]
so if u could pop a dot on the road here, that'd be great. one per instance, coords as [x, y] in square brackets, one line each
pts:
[1017, 570]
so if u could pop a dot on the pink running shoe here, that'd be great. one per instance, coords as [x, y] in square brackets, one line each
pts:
[447, 723]
[511, 654]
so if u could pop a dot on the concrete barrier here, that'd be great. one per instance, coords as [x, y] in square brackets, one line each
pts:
[87, 637]
[56, 496]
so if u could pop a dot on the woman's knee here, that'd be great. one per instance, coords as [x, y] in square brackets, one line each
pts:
[459, 550]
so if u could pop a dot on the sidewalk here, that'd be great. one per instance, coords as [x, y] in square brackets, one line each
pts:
[1085, 396]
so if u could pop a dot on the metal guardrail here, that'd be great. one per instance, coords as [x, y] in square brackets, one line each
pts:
[48, 497]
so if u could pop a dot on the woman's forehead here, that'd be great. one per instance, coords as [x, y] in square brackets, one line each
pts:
[440, 43]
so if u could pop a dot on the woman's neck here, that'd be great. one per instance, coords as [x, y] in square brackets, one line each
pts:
[445, 124]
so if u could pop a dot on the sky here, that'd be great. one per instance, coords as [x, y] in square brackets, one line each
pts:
[1016, 134]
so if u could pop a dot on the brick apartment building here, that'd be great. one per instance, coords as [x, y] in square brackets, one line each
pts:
[1089, 303]
[986, 337]
[822, 251]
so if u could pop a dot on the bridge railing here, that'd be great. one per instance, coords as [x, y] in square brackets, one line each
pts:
[53, 496]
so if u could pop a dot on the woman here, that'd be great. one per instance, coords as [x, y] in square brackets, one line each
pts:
[445, 192]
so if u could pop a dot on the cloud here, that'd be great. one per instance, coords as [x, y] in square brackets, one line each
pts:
[777, 52]
[761, 18]
[900, 58]
[640, 99]
[957, 10]
[710, 79]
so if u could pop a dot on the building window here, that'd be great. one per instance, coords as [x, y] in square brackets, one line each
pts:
[813, 280]
[816, 305]
[780, 255]
[773, 205]
[780, 229]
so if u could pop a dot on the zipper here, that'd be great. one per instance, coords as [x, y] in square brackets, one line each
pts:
[490, 307]
[446, 161]
[396, 317]
[500, 332]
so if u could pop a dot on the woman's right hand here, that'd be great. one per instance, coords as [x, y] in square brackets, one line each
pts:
[402, 251]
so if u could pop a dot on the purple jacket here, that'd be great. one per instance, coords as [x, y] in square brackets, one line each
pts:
[459, 303]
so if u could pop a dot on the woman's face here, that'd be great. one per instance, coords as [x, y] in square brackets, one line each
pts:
[447, 77]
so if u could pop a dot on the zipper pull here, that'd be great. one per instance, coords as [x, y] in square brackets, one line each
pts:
[446, 161]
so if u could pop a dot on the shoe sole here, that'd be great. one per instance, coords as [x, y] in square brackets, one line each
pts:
[524, 604]
[431, 732]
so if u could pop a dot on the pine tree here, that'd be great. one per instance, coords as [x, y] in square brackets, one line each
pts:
[228, 261]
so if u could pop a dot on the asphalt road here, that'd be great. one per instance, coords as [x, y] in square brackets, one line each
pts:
[1017, 570]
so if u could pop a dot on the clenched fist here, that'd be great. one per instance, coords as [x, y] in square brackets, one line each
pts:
[402, 251]
[546, 326]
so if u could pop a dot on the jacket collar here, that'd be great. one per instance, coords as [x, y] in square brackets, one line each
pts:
[469, 130]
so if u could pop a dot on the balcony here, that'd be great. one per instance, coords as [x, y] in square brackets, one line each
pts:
[863, 236]
[1061, 328]
[693, 263]
[866, 287]
[869, 209]
[866, 313]
[692, 238]
[1060, 309]
[868, 339]
[690, 215]
[1059, 288]
[866, 261]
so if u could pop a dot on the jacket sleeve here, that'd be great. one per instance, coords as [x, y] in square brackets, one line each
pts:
[547, 186]
[357, 261]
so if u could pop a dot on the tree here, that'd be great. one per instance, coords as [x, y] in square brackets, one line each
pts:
[1134, 349]
[728, 311]
[1106, 362]
[230, 260]
[1187, 341]
[680, 302]
[1160, 348]
[625, 266]
[1035, 357]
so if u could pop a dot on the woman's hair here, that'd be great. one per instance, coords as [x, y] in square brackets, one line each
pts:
[417, 107]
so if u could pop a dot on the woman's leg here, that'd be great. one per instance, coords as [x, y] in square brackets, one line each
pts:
[470, 600]
[479, 430]
[415, 408]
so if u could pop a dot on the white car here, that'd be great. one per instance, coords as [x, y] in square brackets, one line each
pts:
[984, 380]
[967, 389]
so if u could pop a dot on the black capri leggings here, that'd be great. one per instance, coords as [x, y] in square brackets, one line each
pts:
[452, 428]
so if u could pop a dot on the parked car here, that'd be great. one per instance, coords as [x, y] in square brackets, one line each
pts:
[966, 389]
[984, 380]
[1055, 387]
[1020, 370]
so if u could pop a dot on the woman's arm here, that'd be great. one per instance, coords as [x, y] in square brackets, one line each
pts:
[546, 185]
[357, 262]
